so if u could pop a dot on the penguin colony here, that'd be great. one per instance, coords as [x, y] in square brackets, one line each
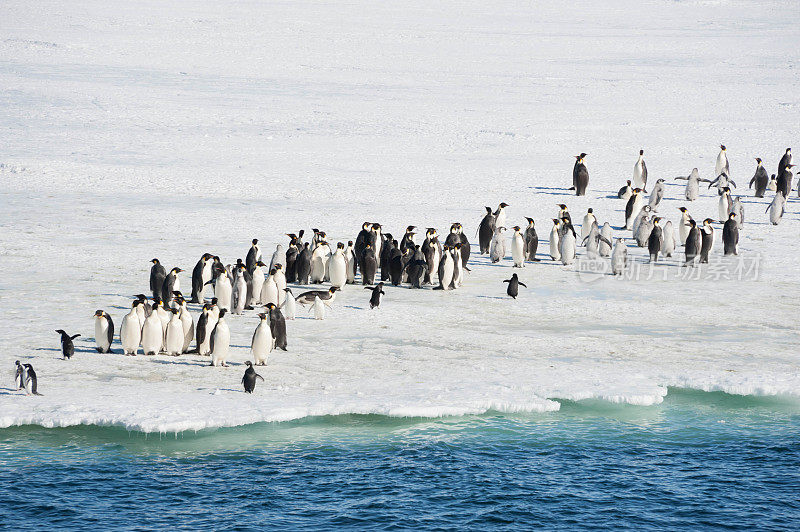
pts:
[162, 323]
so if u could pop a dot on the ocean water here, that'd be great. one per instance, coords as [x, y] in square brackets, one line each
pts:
[699, 460]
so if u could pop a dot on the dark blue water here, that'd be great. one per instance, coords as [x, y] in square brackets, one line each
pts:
[699, 460]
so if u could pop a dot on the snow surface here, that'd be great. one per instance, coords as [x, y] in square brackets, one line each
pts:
[141, 129]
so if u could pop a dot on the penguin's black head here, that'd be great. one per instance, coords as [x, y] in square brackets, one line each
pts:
[333, 289]
[272, 271]
[503, 205]
[722, 147]
[590, 210]
[555, 221]
[530, 220]
[732, 215]
[213, 300]
[758, 160]
[270, 306]
[262, 315]
[349, 242]
[692, 223]
[98, 313]
[305, 245]
[582, 155]
[154, 261]
[255, 241]
[315, 231]
[340, 245]
[61, 332]
[259, 263]
[174, 310]
[516, 228]
[682, 209]
[248, 363]
[177, 270]
[136, 303]
[239, 262]
[788, 150]
[410, 228]
[278, 267]
[292, 236]
[641, 152]
[17, 362]
[206, 307]
[629, 182]
[563, 206]
[222, 312]
[141, 297]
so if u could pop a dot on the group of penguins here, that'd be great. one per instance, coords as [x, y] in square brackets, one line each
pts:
[163, 323]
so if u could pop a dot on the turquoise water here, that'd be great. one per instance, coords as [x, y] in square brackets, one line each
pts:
[700, 460]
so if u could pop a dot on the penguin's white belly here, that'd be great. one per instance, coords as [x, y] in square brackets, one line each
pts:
[317, 269]
[222, 339]
[130, 334]
[101, 333]
[223, 292]
[289, 308]
[627, 194]
[518, 251]
[604, 248]
[141, 315]
[555, 244]
[269, 293]
[635, 210]
[692, 189]
[258, 284]
[319, 309]
[638, 182]
[188, 329]
[338, 271]
[567, 248]
[618, 261]
[240, 295]
[280, 284]
[174, 343]
[152, 338]
[447, 273]
[262, 343]
[497, 250]
[668, 242]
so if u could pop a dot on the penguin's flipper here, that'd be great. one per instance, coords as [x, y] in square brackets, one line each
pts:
[506, 280]
[523, 284]
[733, 182]
[260, 377]
[683, 178]
[74, 336]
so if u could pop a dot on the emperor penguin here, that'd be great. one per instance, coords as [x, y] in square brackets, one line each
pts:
[500, 215]
[760, 178]
[513, 286]
[604, 248]
[318, 259]
[776, 208]
[223, 291]
[593, 241]
[580, 175]
[693, 244]
[722, 162]
[416, 268]
[445, 269]
[644, 213]
[555, 240]
[432, 249]
[277, 325]
[143, 309]
[386, 254]
[256, 284]
[67, 347]
[163, 315]
[375, 298]
[337, 267]
[171, 284]
[220, 341]
[707, 240]
[464, 250]
[103, 331]
[531, 241]
[197, 278]
[130, 332]
[633, 207]
[152, 335]
[518, 248]
[563, 212]
[368, 266]
[19, 375]
[693, 181]
[640, 172]
[684, 226]
[738, 209]
[655, 240]
[157, 275]
[486, 230]
[643, 230]
[785, 161]
[619, 257]
[269, 290]
[290, 266]
[376, 239]
[721, 182]
[730, 235]
[626, 191]
[725, 204]
[772, 186]
[289, 304]
[567, 243]
[361, 242]
[253, 256]
[497, 250]
[173, 344]
[656, 195]
[586, 226]
[668, 240]
[303, 264]
[458, 269]
[278, 257]
[319, 309]
[249, 378]
[280, 281]
[240, 292]
[31, 382]
[263, 342]
[351, 263]
[396, 264]
[208, 275]
[203, 332]
[784, 181]
[187, 323]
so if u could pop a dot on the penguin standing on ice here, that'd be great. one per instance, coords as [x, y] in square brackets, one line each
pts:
[500, 215]
[693, 244]
[263, 342]
[253, 256]
[337, 267]
[555, 238]
[707, 234]
[640, 173]
[375, 298]
[619, 257]
[563, 212]
[396, 265]
[152, 338]
[730, 235]
[588, 219]
[668, 240]
[171, 284]
[776, 208]
[31, 382]
[407, 242]
[203, 332]
[785, 181]
[497, 250]
[604, 246]
[432, 249]
[567, 243]
[760, 178]
[240, 290]
[580, 175]
[67, 347]
[103, 331]
[445, 269]
[288, 307]
[319, 309]
[725, 204]
[693, 181]
[633, 207]
[684, 226]
[173, 339]
[303, 264]
[130, 332]
[656, 195]
[197, 278]
[785, 161]
[518, 248]
[19, 376]
[220, 341]
[722, 165]
[486, 230]
[351, 262]
[626, 191]
[655, 240]
[249, 378]
[157, 276]
[277, 325]
[531, 241]
[513, 286]
[369, 265]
